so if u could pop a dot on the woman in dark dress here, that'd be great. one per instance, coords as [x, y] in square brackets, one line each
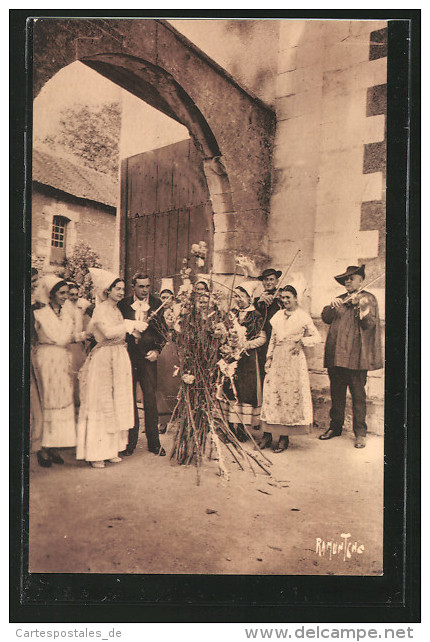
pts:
[168, 383]
[242, 390]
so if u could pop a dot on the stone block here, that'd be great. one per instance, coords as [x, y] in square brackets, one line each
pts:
[365, 27]
[225, 241]
[335, 107]
[290, 206]
[298, 80]
[316, 30]
[362, 75]
[223, 262]
[350, 162]
[341, 136]
[310, 53]
[374, 129]
[295, 132]
[373, 187]
[224, 222]
[221, 202]
[336, 30]
[344, 54]
[378, 44]
[291, 33]
[337, 186]
[298, 104]
[287, 60]
[253, 221]
[285, 84]
[331, 215]
[376, 100]
[367, 244]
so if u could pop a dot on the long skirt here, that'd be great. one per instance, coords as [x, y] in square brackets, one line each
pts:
[242, 402]
[287, 401]
[36, 410]
[78, 359]
[54, 366]
[107, 412]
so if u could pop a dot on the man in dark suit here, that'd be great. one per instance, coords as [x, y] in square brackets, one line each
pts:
[267, 305]
[144, 349]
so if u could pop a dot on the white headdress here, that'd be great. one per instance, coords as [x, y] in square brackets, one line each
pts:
[102, 280]
[47, 284]
[204, 278]
[167, 284]
[298, 281]
[249, 287]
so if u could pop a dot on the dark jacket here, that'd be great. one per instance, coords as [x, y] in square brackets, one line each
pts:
[247, 376]
[352, 342]
[267, 312]
[154, 336]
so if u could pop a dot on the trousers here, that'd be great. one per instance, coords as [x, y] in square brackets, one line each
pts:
[145, 374]
[355, 380]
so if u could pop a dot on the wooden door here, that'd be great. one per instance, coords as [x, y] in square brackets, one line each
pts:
[165, 208]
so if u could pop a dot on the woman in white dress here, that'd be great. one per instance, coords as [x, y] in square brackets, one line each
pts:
[287, 402]
[107, 410]
[55, 330]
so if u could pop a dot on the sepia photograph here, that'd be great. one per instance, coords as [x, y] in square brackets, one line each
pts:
[208, 224]
[207, 227]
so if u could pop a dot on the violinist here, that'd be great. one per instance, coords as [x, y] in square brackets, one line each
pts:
[352, 348]
[267, 304]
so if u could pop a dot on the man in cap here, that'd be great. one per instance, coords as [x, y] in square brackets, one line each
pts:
[352, 348]
[144, 349]
[267, 305]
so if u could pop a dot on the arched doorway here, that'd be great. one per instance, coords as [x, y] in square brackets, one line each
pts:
[167, 203]
[231, 130]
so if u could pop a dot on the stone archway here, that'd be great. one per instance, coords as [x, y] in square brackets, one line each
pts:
[232, 129]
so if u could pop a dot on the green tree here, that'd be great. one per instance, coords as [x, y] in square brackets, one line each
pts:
[76, 268]
[91, 133]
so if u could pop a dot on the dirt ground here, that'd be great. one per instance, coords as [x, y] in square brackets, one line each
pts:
[148, 515]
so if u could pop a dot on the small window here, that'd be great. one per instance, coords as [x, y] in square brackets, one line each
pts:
[58, 239]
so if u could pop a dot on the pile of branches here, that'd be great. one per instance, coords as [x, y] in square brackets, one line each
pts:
[208, 340]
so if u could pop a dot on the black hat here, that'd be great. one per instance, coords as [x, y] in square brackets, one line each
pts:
[269, 272]
[350, 270]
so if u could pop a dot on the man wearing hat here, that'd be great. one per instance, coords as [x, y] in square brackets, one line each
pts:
[352, 348]
[144, 349]
[267, 305]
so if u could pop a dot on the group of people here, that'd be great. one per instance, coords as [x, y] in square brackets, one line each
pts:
[103, 424]
[87, 362]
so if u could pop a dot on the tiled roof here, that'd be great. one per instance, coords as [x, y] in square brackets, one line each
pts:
[74, 179]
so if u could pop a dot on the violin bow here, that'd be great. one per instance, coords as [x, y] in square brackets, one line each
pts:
[366, 285]
[285, 274]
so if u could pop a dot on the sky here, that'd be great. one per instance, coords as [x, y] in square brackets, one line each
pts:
[144, 128]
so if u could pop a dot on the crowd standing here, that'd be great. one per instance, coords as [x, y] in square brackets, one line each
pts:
[87, 361]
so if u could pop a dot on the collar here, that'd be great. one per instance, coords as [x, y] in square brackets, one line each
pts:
[136, 300]
[57, 314]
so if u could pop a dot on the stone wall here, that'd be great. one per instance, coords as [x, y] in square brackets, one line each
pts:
[89, 222]
[323, 182]
[328, 196]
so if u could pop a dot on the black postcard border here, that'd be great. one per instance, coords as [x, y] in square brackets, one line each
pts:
[393, 597]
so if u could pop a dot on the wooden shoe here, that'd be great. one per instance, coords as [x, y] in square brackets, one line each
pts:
[115, 460]
[329, 434]
[56, 458]
[283, 444]
[265, 441]
[360, 442]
